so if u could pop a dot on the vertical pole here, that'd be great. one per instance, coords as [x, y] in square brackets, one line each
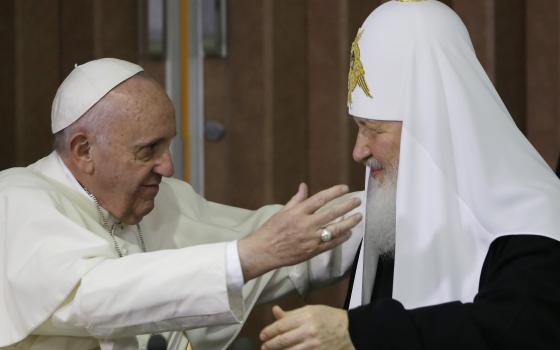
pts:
[173, 79]
[185, 115]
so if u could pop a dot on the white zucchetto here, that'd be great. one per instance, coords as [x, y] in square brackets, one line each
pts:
[85, 86]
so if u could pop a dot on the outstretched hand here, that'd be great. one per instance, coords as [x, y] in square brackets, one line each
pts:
[293, 234]
[309, 327]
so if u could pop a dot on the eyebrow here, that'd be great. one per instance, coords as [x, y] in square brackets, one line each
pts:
[153, 141]
[149, 142]
[369, 123]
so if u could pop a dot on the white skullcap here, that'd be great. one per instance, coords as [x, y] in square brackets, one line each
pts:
[86, 85]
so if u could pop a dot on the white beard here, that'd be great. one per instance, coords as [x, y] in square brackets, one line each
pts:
[381, 214]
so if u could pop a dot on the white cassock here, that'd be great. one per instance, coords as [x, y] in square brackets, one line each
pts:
[64, 287]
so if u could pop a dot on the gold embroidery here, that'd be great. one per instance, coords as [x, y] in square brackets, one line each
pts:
[356, 74]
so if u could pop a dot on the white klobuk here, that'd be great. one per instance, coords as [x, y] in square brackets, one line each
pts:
[467, 175]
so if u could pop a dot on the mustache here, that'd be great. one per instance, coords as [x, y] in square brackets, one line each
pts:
[373, 163]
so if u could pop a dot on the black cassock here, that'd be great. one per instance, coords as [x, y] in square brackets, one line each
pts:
[517, 306]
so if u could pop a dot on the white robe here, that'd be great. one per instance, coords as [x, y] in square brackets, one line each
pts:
[53, 248]
[466, 174]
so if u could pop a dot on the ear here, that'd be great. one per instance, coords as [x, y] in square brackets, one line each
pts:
[80, 152]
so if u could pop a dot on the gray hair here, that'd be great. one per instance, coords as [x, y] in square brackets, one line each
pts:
[94, 122]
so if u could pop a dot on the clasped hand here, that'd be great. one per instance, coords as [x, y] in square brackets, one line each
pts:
[316, 327]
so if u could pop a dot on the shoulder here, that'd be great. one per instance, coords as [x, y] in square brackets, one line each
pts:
[22, 179]
[528, 245]
[22, 188]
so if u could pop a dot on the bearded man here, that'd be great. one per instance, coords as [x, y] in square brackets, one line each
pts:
[461, 246]
[99, 245]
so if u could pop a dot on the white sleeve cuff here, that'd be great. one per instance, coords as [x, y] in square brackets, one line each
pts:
[234, 272]
[235, 281]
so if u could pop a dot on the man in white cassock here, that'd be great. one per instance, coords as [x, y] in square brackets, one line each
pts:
[462, 220]
[99, 245]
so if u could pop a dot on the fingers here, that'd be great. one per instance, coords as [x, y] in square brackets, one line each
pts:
[300, 196]
[319, 199]
[278, 312]
[345, 225]
[324, 217]
[293, 339]
[281, 326]
[341, 231]
[286, 333]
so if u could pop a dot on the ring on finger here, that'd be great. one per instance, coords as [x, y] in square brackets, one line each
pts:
[326, 234]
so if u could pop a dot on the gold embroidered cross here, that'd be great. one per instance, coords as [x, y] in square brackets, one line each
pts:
[356, 74]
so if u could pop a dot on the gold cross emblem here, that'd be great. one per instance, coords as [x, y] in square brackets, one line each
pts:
[356, 74]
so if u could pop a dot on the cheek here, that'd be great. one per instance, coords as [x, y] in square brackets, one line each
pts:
[386, 151]
[380, 151]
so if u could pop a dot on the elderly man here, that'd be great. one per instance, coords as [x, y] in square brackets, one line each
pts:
[461, 247]
[98, 245]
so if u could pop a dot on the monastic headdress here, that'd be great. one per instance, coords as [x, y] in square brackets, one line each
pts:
[467, 175]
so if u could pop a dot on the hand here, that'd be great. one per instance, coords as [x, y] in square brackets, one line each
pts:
[293, 234]
[310, 327]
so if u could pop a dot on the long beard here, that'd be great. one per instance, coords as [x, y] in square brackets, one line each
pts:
[381, 214]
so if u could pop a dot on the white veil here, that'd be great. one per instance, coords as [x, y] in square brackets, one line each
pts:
[467, 175]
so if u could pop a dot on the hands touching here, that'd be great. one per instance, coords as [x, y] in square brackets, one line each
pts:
[310, 327]
[293, 234]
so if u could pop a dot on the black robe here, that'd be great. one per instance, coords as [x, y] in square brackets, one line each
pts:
[517, 306]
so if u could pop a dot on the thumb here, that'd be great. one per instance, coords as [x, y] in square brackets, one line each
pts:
[299, 197]
[278, 312]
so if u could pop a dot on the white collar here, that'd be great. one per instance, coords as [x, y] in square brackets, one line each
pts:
[78, 187]
[70, 177]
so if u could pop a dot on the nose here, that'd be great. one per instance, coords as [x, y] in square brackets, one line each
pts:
[164, 166]
[361, 150]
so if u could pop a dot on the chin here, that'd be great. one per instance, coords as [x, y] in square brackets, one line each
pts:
[145, 209]
[137, 214]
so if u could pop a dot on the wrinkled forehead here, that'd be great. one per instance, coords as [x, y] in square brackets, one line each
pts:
[377, 122]
[138, 94]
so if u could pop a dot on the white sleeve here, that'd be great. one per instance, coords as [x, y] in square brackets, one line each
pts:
[117, 297]
[235, 280]
[234, 272]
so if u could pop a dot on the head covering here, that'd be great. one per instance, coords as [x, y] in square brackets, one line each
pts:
[467, 175]
[86, 85]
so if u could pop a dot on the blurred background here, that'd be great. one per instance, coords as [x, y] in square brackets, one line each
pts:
[259, 86]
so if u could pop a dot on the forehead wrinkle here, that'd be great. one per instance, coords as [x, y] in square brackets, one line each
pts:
[139, 95]
[370, 122]
[375, 123]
